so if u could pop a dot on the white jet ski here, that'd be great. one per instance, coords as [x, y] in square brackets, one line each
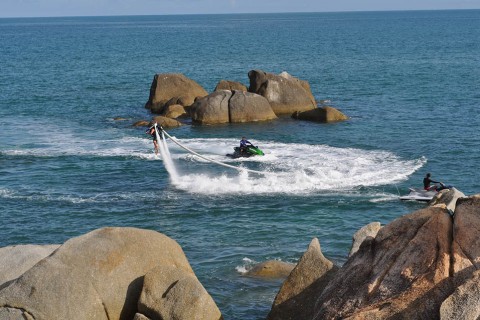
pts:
[419, 195]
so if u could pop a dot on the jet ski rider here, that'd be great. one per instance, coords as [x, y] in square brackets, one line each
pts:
[244, 143]
[427, 181]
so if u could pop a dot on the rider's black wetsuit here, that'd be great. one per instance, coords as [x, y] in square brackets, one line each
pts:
[152, 133]
[426, 183]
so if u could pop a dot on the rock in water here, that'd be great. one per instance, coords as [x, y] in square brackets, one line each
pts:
[286, 94]
[173, 89]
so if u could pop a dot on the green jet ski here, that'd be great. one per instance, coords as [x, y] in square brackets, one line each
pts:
[247, 152]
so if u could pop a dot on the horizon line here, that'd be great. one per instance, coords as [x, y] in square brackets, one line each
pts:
[229, 13]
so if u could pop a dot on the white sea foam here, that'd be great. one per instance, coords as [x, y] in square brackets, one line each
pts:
[384, 197]
[246, 266]
[292, 168]
[75, 146]
[45, 196]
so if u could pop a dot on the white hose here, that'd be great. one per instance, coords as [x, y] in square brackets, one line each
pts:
[208, 159]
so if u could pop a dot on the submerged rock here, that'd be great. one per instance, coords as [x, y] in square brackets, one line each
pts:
[271, 269]
[141, 123]
[165, 122]
[323, 114]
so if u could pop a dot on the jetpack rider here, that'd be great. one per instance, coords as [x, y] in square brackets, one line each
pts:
[152, 132]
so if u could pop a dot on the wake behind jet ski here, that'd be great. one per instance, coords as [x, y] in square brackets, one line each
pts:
[419, 194]
[246, 149]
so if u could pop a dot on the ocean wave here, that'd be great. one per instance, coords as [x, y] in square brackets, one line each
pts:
[41, 196]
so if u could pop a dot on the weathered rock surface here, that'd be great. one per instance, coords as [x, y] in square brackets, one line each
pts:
[95, 276]
[448, 197]
[15, 260]
[410, 269]
[230, 85]
[173, 111]
[464, 303]
[141, 123]
[297, 296]
[139, 316]
[212, 109]
[165, 122]
[370, 230]
[466, 241]
[402, 273]
[271, 269]
[249, 107]
[323, 114]
[14, 314]
[224, 106]
[172, 89]
[169, 293]
[286, 94]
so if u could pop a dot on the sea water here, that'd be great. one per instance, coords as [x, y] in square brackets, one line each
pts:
[409, 81]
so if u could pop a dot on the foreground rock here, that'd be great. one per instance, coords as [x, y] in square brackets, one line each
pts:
[421, 266]
[447, 197]
[226, 106]
[323, 114]
[170, 89]
[100, 275]
[401, 273]
[297, 296]
[368, 231]
[286, 94]
[170, 293]
[464, 303]
[15, 260]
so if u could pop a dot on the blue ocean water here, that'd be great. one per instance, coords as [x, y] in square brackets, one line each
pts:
[409, 81]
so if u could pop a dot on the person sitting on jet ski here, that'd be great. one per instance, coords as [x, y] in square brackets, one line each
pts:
[244, 143]
[427, 181]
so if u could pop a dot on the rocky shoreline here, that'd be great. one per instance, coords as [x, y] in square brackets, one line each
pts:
[423, 265]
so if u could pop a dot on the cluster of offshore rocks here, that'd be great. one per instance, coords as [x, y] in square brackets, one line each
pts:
[423, 265]
[176, 99]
